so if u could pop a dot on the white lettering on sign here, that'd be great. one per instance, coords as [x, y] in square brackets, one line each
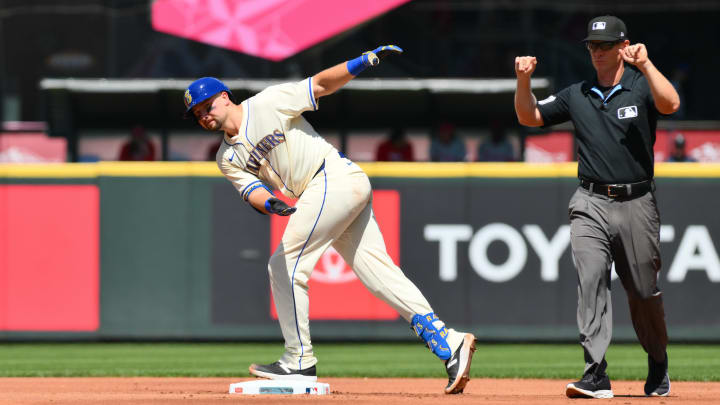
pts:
[695, 252]
[549, 251]
[517, 256]
[448, 236]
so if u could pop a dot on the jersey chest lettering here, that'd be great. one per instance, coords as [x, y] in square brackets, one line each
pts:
[262, 149]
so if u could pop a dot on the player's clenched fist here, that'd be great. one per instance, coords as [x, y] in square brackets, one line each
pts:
[525, 65]
[635, 54]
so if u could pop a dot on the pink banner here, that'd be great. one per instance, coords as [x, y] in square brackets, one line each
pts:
[270, 29]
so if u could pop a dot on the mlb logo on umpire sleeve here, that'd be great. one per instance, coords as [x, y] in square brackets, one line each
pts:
[627, 112]
[598, 25]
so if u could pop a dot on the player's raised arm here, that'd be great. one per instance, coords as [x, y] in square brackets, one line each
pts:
[525, 101]
[332, 79]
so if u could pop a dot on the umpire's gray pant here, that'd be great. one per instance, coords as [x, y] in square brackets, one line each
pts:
[626, 231]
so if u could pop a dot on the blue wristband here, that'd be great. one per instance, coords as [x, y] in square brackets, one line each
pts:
[268, 208]
[357, 65]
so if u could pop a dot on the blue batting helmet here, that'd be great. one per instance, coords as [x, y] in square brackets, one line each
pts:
[202, 89]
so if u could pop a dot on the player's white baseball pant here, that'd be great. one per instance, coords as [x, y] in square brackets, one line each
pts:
[335, 210]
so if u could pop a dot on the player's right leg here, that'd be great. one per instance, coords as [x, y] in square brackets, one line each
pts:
[363, 248]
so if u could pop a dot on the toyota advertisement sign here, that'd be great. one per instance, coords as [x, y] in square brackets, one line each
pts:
[489, 254]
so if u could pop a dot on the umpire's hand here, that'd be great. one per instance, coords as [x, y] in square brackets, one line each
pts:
[635, 55]
[525, 66]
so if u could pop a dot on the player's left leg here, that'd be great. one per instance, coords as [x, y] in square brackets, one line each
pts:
[637, 264]
[363, 248]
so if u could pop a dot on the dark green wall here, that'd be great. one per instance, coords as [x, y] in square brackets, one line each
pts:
[173, 247]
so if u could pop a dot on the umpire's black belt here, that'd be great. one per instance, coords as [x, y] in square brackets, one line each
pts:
[629, 190]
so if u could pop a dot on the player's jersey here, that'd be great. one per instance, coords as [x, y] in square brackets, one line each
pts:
[275, 144]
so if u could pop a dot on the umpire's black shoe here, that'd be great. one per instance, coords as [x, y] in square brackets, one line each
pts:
[458, 366]
[658, 381]
[591, 385]
[277, 371]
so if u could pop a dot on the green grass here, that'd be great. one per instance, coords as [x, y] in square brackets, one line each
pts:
[687, 362]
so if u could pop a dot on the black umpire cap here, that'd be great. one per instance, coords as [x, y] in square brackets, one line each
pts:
[606, 28]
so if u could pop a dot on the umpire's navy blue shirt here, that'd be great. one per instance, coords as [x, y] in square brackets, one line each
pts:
[615, 132]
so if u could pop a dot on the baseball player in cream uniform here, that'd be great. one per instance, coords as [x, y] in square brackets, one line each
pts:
[268, 145]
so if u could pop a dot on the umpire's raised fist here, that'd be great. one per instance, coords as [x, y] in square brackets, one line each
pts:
[525, 65]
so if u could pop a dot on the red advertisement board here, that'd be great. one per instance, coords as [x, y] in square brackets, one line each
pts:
[49, 258]
[32, 148]
[703, 146]
[335, 292]
[553, 147]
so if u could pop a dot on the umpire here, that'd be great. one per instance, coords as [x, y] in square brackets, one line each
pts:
[613, 213]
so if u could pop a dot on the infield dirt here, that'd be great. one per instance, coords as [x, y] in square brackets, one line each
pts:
[380, 391]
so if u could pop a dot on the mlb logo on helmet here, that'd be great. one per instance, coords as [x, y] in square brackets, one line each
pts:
[598, 25]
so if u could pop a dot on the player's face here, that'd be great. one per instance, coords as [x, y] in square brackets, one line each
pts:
[605, 54]
[208, 113]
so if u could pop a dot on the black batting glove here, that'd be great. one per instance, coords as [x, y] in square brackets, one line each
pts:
[278, 207]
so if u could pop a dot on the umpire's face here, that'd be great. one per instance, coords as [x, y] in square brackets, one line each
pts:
[605, 55]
